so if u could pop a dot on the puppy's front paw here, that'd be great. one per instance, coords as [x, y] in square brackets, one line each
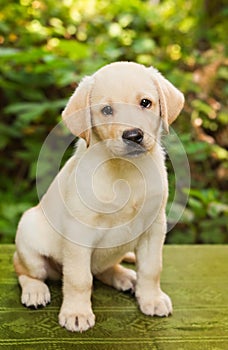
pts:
[76, 321]
[159, 304]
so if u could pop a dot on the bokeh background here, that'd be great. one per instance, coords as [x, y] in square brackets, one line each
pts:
[47, 46]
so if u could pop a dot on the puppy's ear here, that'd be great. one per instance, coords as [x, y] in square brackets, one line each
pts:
[76, 115]
[170, 98]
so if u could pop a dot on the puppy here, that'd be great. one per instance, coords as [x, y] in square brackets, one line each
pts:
[107, 200]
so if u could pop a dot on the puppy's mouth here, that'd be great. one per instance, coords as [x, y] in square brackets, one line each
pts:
[130, 150]
[134, 151]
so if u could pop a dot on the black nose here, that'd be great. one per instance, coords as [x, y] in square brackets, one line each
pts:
[133, 135]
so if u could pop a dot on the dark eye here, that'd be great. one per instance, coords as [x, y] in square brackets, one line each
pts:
[107, 110]
[145, 103]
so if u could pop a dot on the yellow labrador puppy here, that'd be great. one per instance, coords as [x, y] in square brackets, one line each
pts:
[107, 200]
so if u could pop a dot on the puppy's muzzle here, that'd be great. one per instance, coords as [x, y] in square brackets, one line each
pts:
[133, 138]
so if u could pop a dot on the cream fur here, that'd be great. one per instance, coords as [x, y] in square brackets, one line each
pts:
[81, 233]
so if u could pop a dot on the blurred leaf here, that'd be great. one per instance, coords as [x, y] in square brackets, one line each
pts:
[223, 73]
[214, 231]
[202, 106]
[73, 49]
[219, 152]
[216, 208]
[197, 207]
[28, 112]
[206, 196]
[7, 52]
[223, 118]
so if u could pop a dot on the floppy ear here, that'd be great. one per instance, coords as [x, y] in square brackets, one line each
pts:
[170, 98]
[76, 115]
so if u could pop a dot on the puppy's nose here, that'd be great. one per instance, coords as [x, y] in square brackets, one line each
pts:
[133, 135]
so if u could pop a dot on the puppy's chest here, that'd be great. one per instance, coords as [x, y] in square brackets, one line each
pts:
[117, 196]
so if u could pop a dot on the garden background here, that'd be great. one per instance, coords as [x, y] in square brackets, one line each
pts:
[47, 46]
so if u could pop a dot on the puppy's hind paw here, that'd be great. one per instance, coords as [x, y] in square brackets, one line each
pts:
[35, 293]
[125, 280]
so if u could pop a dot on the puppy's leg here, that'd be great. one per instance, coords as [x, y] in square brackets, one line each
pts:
[152, 301]
[118, 277]
[30, 265]
[31, 276]
[76, 313]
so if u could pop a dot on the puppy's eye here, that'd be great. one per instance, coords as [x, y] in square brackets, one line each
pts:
[145, 103]
[107, 110]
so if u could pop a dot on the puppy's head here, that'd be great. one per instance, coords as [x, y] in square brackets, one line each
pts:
[124, 104]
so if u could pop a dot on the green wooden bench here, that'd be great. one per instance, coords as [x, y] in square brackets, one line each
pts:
[194, 276]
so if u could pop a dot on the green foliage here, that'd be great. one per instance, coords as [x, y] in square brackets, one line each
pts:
[204, 220]
[47, 46]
